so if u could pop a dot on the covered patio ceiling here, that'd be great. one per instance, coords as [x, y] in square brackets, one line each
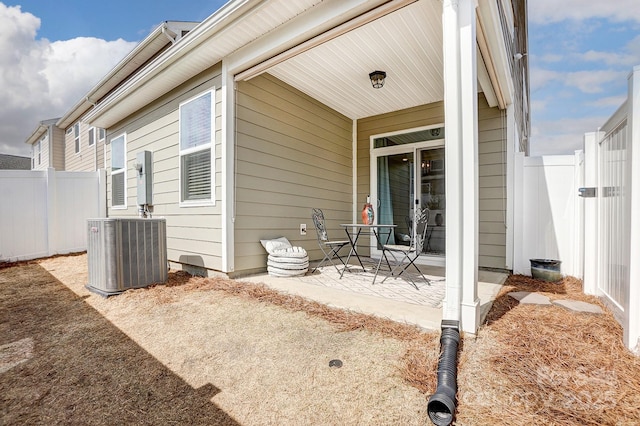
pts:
[324, 49]
[406, 44]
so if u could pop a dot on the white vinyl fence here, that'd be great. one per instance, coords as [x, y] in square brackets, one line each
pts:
[43, 213]
[612, 218]
[548, 212]
[597, 237]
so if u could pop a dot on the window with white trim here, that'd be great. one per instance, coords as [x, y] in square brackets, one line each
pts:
[196, 150]
[101, 134]
[92, 136]
[118, 171]
[39, 150]
[76, 136]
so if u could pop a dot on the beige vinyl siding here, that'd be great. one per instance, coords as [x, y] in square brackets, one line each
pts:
[492, 168]
[85, 160]
[194, 234]
[44, 153]
[56, 144]
[492, 186]
[293, 154]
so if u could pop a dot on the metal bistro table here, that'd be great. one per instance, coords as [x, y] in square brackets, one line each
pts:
[378, 230]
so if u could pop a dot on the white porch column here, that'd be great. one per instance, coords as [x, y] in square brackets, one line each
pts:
[461, 155]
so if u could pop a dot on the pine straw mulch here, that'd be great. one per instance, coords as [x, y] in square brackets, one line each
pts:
[546, 365]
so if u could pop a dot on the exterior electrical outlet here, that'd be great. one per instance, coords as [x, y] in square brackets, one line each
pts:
[143, 169]
[126, 253]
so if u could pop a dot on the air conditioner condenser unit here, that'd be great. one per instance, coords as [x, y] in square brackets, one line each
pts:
[125, 253]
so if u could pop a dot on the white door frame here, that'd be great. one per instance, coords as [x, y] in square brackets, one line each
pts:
[413, 148]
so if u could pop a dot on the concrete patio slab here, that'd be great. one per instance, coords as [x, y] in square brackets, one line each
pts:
[395, 299]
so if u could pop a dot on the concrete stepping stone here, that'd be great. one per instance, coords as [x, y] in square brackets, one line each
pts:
[527, 297]
[578, 306]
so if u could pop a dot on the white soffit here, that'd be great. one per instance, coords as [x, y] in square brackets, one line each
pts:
[406, 44]
[178, 65]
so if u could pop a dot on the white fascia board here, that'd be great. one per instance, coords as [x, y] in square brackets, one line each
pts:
[324, 22]
[489, 16]
[107, 82]
[215, 23]
[485, 81]
[36, 134]
[320, 18]
[40, 130]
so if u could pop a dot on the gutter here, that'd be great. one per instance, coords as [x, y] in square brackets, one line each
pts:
[214, 24]
[110, 81]
[37, 134]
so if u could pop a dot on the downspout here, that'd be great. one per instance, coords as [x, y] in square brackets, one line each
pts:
[442, 404]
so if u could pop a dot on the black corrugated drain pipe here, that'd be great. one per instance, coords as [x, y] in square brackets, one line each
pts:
[442, 404]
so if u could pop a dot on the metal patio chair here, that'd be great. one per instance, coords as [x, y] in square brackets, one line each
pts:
[330, 248]
[405, 256]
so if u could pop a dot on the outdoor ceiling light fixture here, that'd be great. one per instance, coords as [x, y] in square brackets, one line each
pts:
[377, 79]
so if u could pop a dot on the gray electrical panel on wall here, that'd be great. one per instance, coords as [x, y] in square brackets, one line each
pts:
[144, 179]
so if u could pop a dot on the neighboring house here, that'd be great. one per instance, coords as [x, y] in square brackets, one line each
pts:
[47, 146]
[266, 109]
[14, 162]
[79, 146]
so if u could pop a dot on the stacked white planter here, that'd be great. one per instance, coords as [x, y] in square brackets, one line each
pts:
[284, 260]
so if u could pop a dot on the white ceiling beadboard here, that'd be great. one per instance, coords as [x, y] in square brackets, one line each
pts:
[406, 44]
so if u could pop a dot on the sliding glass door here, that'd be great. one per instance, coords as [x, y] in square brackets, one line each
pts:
[408, 171]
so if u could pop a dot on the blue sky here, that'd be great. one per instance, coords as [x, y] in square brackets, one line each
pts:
[580, 54]
[130, 20]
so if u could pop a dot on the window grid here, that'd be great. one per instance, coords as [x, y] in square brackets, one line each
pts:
[196, 142]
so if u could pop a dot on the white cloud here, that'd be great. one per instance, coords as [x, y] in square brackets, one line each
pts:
[593, 81]
[84, 61]
[550, 57]
[549, 11]
[627, 57]
[538, 105]
[41, 79]
[610, 58]
[541, 77]
[561, 137]
[609, 101]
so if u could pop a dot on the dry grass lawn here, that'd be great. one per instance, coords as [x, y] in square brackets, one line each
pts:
[214, 351]
[199, 351]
